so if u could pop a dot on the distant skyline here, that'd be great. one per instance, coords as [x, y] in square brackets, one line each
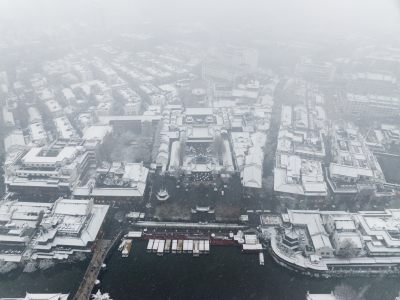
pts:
[328, 16]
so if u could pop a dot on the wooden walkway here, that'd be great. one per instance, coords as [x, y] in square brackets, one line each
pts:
[101, 249]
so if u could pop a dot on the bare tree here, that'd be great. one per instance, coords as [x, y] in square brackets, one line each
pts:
[142, 153]
[347, 248]
[346, 292]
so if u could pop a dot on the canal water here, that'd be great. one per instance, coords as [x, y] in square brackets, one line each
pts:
[60, 278]
[226, 273]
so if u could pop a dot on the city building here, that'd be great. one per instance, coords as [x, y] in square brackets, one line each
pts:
[34, 230]
[337, 242]
[94, 135]
[384, 138]
[360, 105]
[64, 128]
[54, 108]
[202, 142]
[354, 168]
[298, 172]
[52, 169]
[318, 71]
[38, 135]
[123, 182]
[138, 124]
[34, 115]
[15, 139]
[8, 118]
[300, 178]
[70, 226]
[300, 132]
[229, 63]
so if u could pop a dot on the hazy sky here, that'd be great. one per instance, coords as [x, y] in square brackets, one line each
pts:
[330, 16]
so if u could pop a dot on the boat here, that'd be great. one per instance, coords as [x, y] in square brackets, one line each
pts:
[261, 258]
[160, 250]
[150, 245]
[121, 246]
[127, 248]
[201, 246]
[180, 246]
[155, 245]
[167, 246]
[196, 250]
[207, 246]
[174, 246]
[190, 246]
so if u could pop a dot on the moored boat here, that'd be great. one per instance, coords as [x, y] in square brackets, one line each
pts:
[180, 246]
[174, 246]
[160, 250]
[150, 245]
[127, 248]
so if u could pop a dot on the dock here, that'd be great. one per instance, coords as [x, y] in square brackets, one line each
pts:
[177, 225]
[100, 252]
[161, 246]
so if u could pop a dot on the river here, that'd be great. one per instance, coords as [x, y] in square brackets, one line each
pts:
[226, 273]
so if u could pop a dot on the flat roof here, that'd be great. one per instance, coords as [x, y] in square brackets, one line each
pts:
[33, 155]
[96, 132]
[199, 111]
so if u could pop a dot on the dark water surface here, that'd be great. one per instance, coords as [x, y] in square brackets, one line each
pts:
[226, 273]
[61, 278]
